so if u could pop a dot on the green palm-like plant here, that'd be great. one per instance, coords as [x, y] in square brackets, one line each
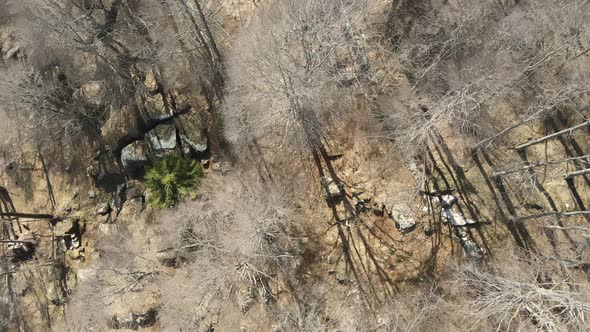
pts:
[172, 177]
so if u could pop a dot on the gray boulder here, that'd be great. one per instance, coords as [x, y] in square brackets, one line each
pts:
[162, 139]
[65, 226]
[332, 190]
[193, 132]
[402, 215]
[103, 209]
[134, 158]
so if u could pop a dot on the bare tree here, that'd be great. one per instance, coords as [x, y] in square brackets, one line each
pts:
[500, 63]
[524, 292]
[127, 265]
[283, 75]
[229, 249]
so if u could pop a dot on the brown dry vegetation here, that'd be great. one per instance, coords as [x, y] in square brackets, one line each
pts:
[398, 102]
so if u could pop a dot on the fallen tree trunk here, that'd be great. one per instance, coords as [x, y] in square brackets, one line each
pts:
[26, 215]
[540, 164]
[548, 137]
[577, 173]
[552, 213]
[561, 97]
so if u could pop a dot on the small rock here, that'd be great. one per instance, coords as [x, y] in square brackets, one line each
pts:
[93, 92]
[246, 299]
[402, 215]
[76, 254]
[150, 81]
[91, 194]
[456, 219]
[65, 226]
[135, 189]
[103, 209]
[332, 190]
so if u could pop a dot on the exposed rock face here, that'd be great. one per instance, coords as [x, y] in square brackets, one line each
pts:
[150, 81]
[122, 125]
[105, 172]
[103, 209]
[119, 198]
[65, 226]
[162, 140]
[402, 215]
[192, 133]
[456, 219]
[93, 92]
[157, 107]
[135, 189]
[332, 190]
[134, 158]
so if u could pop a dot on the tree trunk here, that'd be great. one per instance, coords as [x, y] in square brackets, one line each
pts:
[540, 164]
[553, 213]
[208, 31]
[548, 137]
[577, 173]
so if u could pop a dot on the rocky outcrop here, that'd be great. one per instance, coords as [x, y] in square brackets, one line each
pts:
[332, 190]
[134, 158]
[162, 140]
[104, 171]
[403, 217]
[123, 127]
[193, 133]
[92, 92]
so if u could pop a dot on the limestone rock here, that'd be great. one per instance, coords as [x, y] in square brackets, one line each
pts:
[123, 124]
[104, 171]
[93, 92]
[157, 107]
[65, 226]
[134, 158]
[150, 81]
[456, 219]
[332, 190]
[162, 139]
[402, 215]
[103, 209]
[193, 132]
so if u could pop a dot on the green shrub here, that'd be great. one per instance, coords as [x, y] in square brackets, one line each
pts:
[171, 178]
